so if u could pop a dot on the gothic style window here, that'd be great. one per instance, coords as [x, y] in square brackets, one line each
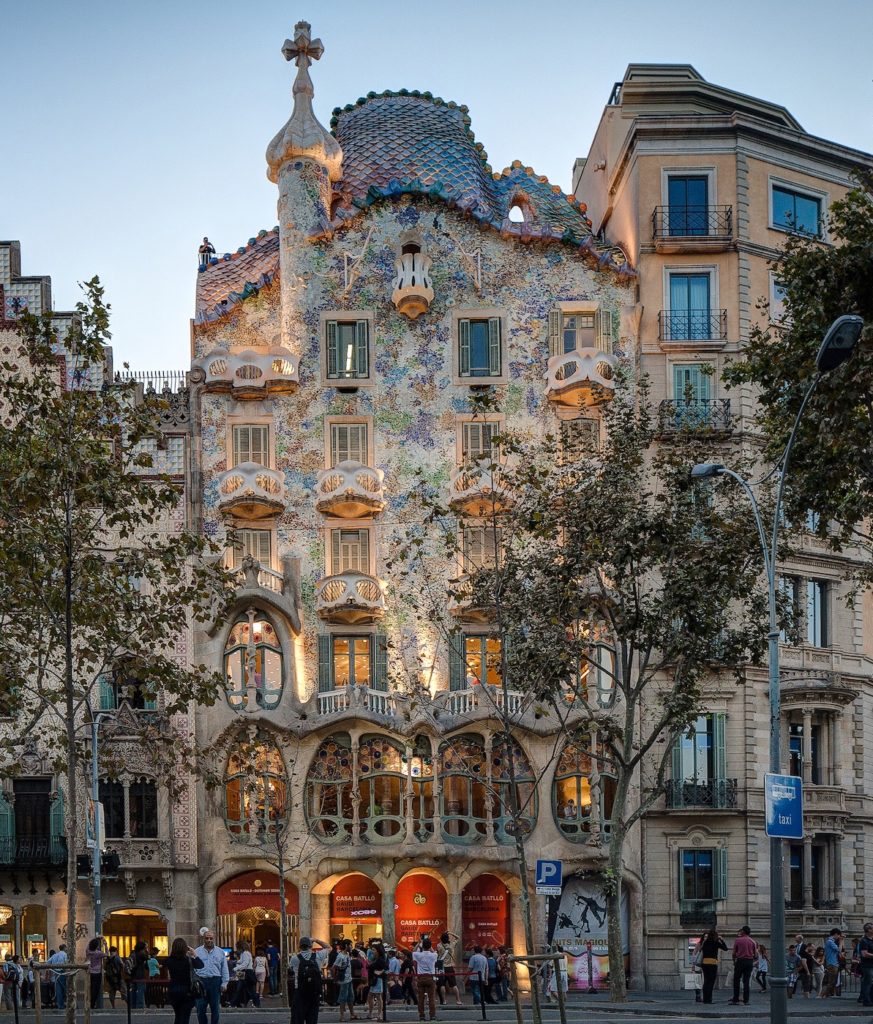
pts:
[136, 803]
[463, 790]
[253, 663]
[381, 785]
[329, 790]
[254, 791]
[112, 801]
[525, 791]
[572, 791]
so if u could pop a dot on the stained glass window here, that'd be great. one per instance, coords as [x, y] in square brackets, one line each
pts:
[329, 790]
[382, 790]
[255, 790]
[253, 664]
[463, 790]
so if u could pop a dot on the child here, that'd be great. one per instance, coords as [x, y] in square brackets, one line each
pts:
[763, 965]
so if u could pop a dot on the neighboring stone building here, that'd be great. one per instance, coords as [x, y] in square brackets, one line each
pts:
[701, 185]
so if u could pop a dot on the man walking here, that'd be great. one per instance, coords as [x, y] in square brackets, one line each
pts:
[214, 975]
[744, 953]
[478, 967]
[271, 952]
[831, 962]
[865, 956]
[308, 982]
[60, 978]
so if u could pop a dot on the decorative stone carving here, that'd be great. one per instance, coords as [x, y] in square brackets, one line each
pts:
[130, 886]
[169, 889]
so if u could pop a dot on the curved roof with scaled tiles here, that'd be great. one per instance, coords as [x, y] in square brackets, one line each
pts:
[412, 143]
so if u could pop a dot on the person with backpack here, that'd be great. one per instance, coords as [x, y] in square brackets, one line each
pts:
[342, 975]
[113, 970]
[308, 983]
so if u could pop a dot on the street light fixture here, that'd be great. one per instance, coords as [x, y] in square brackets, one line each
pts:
[837, 346]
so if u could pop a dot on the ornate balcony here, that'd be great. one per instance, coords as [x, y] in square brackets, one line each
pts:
[345, 698]
[484, 697]
[692, 325]
[580, 378]
[465, 607]
[350, 490]
[717, 794]
[692, 228]
[701, 415]
[412, 293]
[478, 488]
[350, 597]
[141, 853]
[251, 491]
[824, 799]
[33, 851]
[698, 914]
[250, 374]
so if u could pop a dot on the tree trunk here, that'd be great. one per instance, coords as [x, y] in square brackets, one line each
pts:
[615, 939]
[283, 930]
[71, 822]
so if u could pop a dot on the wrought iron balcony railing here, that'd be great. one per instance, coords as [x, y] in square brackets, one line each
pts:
[692, 222]
[694, 414]
[697, 913]
[33, 851]
[692, 325]
[716, 793]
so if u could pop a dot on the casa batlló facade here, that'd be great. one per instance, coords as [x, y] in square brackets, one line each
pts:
[334, 363]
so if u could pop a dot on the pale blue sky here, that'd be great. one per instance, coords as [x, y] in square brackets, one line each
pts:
[130, 130]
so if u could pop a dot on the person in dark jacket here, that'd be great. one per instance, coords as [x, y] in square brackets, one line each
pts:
[709, 948]
[139, 973]
[180, 966]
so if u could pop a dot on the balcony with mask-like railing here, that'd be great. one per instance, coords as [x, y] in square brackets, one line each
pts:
[250, 374]
[352, 598]
[715, 794]
[251, 491]
[711, 416]
[680, 228]
[413, 293]
[350, 490]
[478, 488]
[466, 605]
[581, 378]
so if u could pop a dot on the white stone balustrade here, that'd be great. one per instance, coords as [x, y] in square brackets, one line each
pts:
[344, 698]
[580, 378]
[251, 574]
[478, 487]
[350, 490]
[485, 697]
[413, 292]
[251, 490]
[351, 597]
[251, 373]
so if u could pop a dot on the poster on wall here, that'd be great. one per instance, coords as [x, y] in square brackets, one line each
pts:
[255, 889]
[578, 917]
[420, 909]
[485, 904]
[355, 897]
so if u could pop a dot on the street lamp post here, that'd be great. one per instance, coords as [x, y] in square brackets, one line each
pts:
[837, 346]
[96, 719]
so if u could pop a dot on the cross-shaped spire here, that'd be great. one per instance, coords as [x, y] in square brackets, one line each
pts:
[303, 49]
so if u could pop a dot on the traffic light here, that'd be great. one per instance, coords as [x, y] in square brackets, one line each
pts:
[83, 865]
[109, 864]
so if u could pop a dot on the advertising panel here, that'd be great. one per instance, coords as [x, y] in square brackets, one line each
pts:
[485, 910]
[420, 908]
[255, 889]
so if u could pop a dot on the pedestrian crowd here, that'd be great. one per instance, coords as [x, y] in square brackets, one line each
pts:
[815, 971]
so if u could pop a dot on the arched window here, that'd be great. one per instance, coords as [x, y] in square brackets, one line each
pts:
[329, 790]
[572, 791]
[254, 790]
[525, 789]
[253, 663]
[381, 785]
[463, 796]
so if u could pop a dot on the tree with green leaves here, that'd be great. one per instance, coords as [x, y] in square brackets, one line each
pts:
[98, 576]
[832, 461]
[612, 585]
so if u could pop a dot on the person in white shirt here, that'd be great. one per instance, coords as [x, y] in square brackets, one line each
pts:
[478, 967]
[60, 978]
[425, 969]
[246, 989]
[214, 975]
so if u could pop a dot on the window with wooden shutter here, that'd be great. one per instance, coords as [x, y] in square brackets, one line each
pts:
[348, 443]
[479, 347]
[256, 543]
[481, 547]
[476, 440]
[457, 669]
[325, 663]
[556, 326]
[350, 551]
[7, 831]
[56, 818]
[348, 349]
[380, 661]
[720, 881]
[251, 443]
[604, 331]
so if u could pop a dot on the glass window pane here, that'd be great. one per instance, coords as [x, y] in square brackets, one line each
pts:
[480, 365]
[341, 661]
[362, 661]
[783, 207]
[807, 214]
[346, 350]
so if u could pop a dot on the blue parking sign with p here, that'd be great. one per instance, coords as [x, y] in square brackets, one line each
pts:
[549, 873]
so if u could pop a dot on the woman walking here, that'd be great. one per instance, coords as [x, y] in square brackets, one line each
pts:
[246, 990]
[139, 973]
[180, 966]
[709, 948]
[260, 972]
[378, 969]
[95, 955]
[763, 965]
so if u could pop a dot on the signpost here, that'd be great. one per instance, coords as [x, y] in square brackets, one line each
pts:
[783, 806]
[549, 876]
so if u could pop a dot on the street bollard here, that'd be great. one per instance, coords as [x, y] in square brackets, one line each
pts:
[481, 994]
[37, 995]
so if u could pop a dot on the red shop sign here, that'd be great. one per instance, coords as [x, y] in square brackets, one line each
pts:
[355, 897]
[420, 907]
[256, 889]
